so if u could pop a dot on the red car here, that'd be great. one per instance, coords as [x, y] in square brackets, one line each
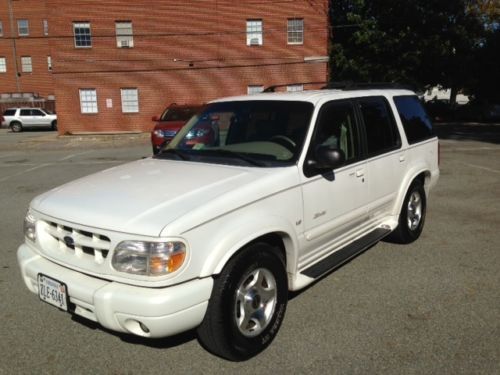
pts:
[170, 122]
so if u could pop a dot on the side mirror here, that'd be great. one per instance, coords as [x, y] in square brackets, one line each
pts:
[327, 157]
[155, 118]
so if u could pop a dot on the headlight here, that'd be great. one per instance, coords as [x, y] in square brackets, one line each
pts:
[149, 258]
[158, 133]
[30, 226]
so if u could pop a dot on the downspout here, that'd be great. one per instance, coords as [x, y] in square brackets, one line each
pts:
[14, 48]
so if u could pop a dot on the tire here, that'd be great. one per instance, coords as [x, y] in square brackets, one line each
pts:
[54, 125]
[412, 216]
[247, 305]
[16, 127]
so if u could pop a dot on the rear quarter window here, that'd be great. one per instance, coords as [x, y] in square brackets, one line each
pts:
[9, 112]
[416, 122]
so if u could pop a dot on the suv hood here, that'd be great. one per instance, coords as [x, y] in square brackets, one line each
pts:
[143, 197]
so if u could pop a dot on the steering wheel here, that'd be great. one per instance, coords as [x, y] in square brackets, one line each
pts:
[284, 141]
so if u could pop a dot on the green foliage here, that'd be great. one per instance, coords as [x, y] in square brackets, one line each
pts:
[419, 42]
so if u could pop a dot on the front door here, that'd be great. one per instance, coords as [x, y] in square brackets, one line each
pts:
[335, 202]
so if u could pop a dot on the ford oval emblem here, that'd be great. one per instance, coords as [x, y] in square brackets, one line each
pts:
[69, 241]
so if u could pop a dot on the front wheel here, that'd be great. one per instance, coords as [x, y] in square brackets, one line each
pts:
[412, 216]
[247, 305]
[16, 127]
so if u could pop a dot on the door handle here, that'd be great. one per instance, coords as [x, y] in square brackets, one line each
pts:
[402, 158]
[360, 173]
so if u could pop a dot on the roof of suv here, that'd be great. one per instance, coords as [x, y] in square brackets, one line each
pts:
[315, 96]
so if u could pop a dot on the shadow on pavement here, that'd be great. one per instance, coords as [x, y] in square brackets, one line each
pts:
[469, 131]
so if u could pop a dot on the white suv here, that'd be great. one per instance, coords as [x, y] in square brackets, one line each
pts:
[19, 118]
[213, 235]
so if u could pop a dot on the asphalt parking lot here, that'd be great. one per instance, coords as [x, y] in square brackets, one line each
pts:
[432, 307]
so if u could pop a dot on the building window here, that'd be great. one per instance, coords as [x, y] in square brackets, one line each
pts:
[26, 65]
[293, 88]
[1, 28]
[254, 89]
[124, 34]
[130, 100]
[83, 38]
[3, 65]
[295, 31]
[23, 28]
[88, 101]
[45, 27]
[254, 33]
[49, 63]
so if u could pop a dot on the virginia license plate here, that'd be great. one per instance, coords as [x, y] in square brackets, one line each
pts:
[53, 292]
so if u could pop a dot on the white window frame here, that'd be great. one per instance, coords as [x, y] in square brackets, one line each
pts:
[49, 63]
[23, 30]
[45, 24]
[130, 100]
[295, 31]
[3, 65]
[26, 64]
[124, 34]
[82, 25]
[295, 88]
[88, 101]
[254, 89]
[255, 32]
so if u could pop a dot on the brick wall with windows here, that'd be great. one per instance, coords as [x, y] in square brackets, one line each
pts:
[24, 34]
[140, 56]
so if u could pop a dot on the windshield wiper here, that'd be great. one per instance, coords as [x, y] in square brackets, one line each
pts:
[173, 151]
[237, 155]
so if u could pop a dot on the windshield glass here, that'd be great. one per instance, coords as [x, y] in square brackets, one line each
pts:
[256, 133]
[178, 113]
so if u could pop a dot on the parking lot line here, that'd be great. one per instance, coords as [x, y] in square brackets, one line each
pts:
[481, 167]
[25, 171]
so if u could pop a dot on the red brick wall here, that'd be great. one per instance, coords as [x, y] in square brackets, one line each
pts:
[35, 45]
[184, 52]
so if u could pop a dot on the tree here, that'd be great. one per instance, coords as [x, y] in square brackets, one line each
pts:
[423, 43]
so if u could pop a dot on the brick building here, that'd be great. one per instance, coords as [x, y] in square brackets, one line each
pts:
[115, 64]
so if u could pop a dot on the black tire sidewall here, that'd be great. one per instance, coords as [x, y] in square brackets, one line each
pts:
[245, 347]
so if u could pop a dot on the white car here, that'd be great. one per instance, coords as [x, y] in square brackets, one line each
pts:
[18, 119]
[214, 235]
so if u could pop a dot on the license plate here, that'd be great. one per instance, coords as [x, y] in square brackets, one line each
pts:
[53, 292]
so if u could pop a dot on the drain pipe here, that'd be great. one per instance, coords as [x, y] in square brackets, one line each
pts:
[14, 48]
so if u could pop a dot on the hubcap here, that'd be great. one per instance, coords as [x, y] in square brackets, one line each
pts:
[414, 214]
[255, 302]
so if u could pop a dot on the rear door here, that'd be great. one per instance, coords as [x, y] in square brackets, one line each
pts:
[26, 117]
[385, 159]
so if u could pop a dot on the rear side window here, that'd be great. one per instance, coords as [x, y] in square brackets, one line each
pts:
[416, 122]
[380, 127]
[10, 112]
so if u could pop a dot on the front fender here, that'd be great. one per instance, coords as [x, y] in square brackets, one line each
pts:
[227, 239]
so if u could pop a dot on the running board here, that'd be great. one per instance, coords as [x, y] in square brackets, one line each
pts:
[343, 255]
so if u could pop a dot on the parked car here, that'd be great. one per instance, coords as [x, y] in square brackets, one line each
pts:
[213, 235]
[169, 123]
[18, 119]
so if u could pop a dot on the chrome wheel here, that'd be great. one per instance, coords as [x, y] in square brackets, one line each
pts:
[256, 298]
[414, 212]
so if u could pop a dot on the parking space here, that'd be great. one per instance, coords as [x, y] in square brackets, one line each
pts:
[430, 307]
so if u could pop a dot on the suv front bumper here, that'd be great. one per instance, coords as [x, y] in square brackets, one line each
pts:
[120, 307]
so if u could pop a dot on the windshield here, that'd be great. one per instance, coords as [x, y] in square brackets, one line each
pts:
[256, 133]
[178, 113]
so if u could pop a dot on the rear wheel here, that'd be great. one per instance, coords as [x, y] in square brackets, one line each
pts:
[412, 216]
[247, 305]
[16, 127]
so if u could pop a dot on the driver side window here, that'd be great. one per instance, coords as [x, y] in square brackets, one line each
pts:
[336, 128]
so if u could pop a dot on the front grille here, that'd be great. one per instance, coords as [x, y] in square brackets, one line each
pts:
[79, 242]
[169, 133]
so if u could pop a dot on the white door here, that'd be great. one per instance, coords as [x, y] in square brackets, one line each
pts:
[335, 202]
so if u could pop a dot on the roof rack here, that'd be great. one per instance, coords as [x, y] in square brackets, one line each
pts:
[348, 85]
[274, 87]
